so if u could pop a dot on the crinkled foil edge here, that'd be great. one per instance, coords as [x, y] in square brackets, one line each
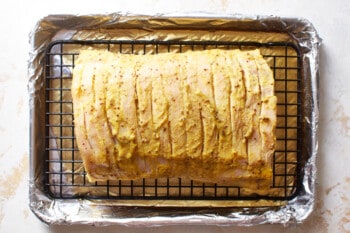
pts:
[94, 212]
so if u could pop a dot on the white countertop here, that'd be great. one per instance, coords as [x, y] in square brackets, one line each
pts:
[330, 18]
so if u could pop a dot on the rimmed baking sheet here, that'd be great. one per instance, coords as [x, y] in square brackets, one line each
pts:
[58, 182]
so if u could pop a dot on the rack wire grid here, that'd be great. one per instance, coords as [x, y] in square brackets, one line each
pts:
[64, 173]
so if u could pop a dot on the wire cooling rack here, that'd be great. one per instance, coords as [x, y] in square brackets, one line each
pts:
[64, 173]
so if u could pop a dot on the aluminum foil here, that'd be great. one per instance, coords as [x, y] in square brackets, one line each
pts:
[188, 27]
